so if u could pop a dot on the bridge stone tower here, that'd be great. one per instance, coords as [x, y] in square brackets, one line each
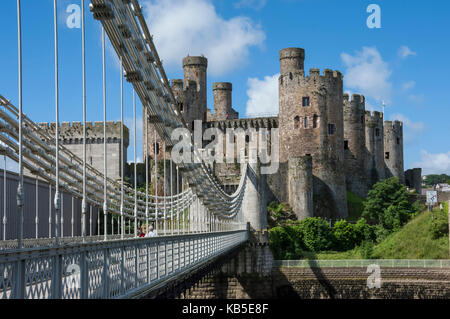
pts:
[355, 144]
[393, 149]
[311, 122]
[375, 147]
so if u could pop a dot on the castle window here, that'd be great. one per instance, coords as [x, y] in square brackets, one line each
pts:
[345, 145]
[377, 132]
[315, 119]
[398, 141]
[157, 149]
[181, 107]
[306, 122]
[331, 129]
[362, 119]
[305, 101]
[386, 155]
[247, 139]
[296, 122]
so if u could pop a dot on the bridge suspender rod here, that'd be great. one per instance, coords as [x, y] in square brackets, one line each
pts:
[171, 198]
[105, 167]
[20, 195]
[156, 183]
[164, 187]
[4, 200]
[135, 166]
[122, 155]
[57, 195]
[37, 208]
[83, 53]
[145, 115]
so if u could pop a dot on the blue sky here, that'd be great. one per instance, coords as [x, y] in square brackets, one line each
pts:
[404, 63]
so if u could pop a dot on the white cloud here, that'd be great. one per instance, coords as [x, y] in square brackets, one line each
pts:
[411, 130]
[434, 163]
[408, 85]
[262, 95]
[367, 73]
[420, 98]
[404, 52]
[129, 122]
[254, 4]
[182, 27]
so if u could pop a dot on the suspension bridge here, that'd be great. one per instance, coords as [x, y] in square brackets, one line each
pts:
[43, 252]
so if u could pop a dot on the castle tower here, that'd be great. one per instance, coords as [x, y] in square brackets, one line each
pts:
[71, 137]
[311, 122]
[300, 186]
[195, 71]
[375, 169]
[393, 149]
[222, 102]
[355, 144]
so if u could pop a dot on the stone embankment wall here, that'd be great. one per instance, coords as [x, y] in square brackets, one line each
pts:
[325, 283]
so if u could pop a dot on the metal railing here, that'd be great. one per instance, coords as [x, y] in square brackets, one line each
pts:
[116, 269]
[392, 263]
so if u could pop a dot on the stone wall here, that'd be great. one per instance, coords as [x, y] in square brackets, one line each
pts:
[413, 179]
[71, 137]
[325, 283]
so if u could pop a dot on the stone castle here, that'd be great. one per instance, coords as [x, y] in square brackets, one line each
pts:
[328, 142]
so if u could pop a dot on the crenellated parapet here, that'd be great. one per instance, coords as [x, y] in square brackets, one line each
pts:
[72, 133]
[262, 122]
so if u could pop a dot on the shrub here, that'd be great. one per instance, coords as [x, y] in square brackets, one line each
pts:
[316, 234]
[366, 249]
[279, 242]
[439, 225]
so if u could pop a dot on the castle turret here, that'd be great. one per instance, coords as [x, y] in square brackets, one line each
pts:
[355, 144]
[311, 122]
[375, 147]
[393, 149]
[222, 102]
[291, 60]
[195, 72]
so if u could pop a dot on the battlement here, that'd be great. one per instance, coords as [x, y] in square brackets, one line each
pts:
[222, 86]
[356, 102]
[195, 61]
[329, 78]
[74, 130]
[396, 125]
[374, 116]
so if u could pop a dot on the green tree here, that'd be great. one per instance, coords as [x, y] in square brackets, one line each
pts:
[388, 206]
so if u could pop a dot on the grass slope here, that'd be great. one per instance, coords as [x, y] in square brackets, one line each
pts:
[413, 241]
